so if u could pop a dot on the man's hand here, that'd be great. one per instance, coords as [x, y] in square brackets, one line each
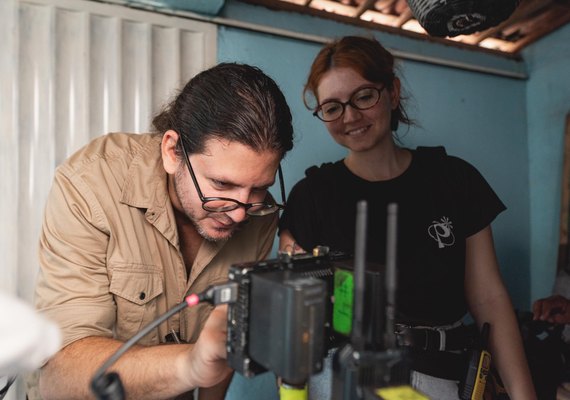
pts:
[206, 363]
[552, 309]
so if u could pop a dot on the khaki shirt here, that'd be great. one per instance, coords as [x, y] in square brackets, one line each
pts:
[109, 249]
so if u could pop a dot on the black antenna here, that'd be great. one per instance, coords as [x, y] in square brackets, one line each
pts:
[391, 274]
[357, 337]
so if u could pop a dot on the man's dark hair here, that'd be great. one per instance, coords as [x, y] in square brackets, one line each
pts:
[230, 101]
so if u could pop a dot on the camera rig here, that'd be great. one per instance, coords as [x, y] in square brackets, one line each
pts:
[284, 319]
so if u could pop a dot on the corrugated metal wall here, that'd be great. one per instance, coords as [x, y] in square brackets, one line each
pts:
[71, 70]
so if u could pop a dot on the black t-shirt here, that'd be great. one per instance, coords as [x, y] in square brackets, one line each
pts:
[441, 200]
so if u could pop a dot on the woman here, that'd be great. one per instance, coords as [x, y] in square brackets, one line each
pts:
[447, 265]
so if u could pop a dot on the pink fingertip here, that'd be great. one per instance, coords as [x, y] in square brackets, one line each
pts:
[192, 300]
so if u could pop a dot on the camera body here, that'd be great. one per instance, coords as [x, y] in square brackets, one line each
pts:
[291, 310]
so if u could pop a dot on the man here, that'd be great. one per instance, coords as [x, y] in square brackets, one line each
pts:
[134, 223]
[554, 309]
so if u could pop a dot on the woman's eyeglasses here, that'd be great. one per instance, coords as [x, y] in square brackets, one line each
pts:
[362, 99]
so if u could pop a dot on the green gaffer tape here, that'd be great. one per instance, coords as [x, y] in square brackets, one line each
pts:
[343, 298]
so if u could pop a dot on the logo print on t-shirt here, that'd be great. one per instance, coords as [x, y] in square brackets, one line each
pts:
[442, 232]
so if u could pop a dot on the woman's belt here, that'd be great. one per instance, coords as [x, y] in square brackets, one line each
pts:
[438, 351]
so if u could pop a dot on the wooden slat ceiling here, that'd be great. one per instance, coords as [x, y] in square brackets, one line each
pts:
[531, 20]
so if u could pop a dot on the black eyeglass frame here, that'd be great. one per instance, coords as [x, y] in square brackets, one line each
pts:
[267, 208]
[349, 102]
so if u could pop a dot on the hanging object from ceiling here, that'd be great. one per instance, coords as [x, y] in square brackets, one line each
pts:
[460, 17]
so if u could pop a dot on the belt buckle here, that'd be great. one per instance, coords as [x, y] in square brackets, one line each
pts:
[442, 338]
[440, 332]
[405, 336]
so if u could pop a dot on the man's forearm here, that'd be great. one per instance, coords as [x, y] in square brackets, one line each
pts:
[146, 372]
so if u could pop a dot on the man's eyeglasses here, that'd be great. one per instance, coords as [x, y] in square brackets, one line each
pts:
[362, 99]
[224, 204]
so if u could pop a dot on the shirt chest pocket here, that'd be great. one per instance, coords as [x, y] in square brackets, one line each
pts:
[136, 295]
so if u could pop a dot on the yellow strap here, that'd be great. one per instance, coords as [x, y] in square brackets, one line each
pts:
[287, 392]
[400, 393]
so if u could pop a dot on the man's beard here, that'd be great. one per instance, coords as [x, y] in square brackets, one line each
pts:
[202, 232]
[191, 215]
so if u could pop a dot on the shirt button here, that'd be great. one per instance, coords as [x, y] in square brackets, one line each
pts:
[142, 295]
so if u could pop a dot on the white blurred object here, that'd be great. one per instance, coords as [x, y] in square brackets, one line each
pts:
[27, 339]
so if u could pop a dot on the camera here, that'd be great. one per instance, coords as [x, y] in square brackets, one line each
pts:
[290, 311]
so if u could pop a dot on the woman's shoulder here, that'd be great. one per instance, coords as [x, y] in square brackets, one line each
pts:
[439, 157]
[327, 170]
[319, 179]
[452, 169]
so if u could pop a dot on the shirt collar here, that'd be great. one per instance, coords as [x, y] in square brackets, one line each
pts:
[145, 185]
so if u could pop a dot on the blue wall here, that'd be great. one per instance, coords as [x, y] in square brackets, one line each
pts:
[548, 103]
